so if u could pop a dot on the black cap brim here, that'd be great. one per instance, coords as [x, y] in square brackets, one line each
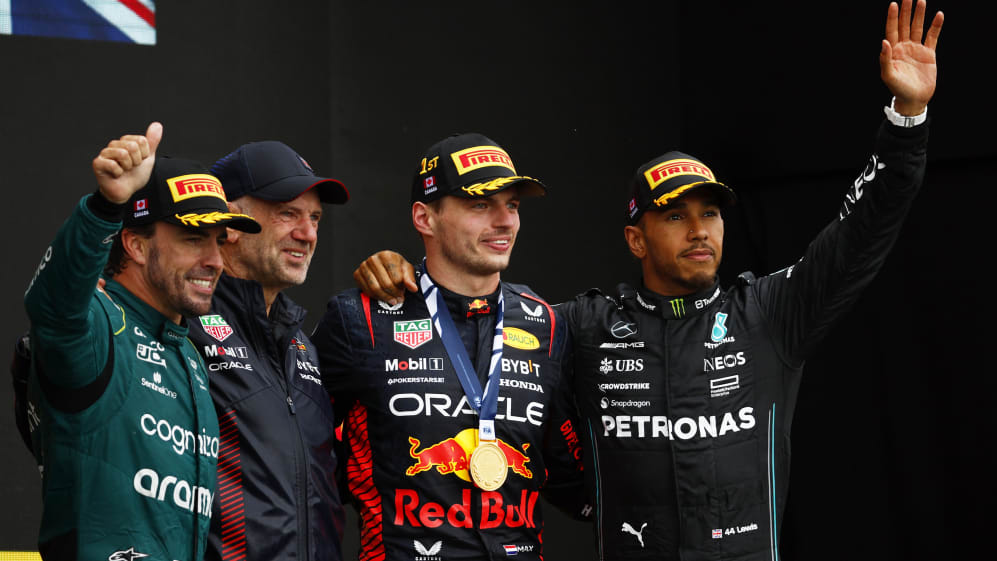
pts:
[330, 191]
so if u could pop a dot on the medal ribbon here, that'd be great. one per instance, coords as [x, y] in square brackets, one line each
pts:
[484, 403]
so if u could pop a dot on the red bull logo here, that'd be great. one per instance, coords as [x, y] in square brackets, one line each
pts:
[478, 306]
[451, 456]
[494, 511]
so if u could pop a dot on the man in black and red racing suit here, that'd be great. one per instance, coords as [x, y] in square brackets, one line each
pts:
[409, 429]
[687, 400]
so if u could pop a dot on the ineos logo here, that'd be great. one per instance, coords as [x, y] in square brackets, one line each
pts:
[622, 329]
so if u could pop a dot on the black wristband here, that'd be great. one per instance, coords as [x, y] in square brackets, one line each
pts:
[105, 209]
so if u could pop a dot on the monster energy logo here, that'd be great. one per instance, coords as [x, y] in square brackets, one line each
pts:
[678, 307]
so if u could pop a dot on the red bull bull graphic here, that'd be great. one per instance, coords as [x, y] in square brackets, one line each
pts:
[478, 306]
[451, 456]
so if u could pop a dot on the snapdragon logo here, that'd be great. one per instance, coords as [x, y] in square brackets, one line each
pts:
[148, 483]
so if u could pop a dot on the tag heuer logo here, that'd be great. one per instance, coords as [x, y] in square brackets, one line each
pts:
[216, 326]
[413, 333]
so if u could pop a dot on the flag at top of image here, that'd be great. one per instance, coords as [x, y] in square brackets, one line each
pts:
[128, 21]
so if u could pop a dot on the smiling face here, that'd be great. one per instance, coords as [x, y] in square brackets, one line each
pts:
[181, 268]
[679, 246]
[471, 238]
[279, 256]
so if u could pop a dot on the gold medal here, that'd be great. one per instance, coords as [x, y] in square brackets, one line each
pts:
[488, 465]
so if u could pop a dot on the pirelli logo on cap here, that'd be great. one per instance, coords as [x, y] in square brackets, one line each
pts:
[477, 157]
[195, 185]
[675, 168]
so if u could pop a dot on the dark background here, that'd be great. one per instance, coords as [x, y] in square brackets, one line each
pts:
[894, 431]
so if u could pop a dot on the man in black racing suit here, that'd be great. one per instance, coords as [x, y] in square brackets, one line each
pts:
[412, 428]
[277, 494]
[687, 390]
[696, 384]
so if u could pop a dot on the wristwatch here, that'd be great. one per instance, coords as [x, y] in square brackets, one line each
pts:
[903, 120]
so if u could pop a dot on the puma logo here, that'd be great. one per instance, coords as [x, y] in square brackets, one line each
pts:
[627, 528]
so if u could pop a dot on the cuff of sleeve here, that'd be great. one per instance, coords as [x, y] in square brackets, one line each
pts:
[105, 209]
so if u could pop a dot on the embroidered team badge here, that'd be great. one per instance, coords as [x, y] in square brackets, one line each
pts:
[216, 326]
[413, 333]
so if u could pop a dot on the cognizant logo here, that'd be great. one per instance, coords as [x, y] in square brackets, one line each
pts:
[181, 439]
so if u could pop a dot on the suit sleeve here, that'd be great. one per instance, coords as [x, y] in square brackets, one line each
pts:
[70, 331]
[565, 486]
[334, 343]
[802, 302]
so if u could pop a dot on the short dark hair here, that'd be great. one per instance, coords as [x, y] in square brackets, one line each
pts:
[118, 259]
